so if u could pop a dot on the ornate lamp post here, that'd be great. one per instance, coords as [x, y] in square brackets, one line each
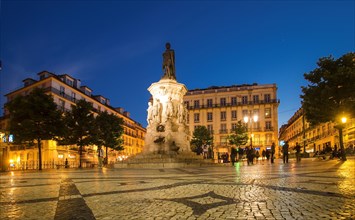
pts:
[250, 119]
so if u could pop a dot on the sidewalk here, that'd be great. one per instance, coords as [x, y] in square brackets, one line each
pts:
[311, 189]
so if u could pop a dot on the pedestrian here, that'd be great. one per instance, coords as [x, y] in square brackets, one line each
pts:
[263, 154]
[100, 155]
[250, 155]
[298, 152]
[285, 152]
[233, 155]
[272, 152]
[241, 153]
[66, 163]
[267, 154]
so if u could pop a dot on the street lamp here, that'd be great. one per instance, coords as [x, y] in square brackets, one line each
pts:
[340, 127]
[250, 120]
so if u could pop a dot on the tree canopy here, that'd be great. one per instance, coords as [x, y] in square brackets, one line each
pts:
[330, 92]
[201, 136]
[239, 135]
[108, 131]
[34, 117]
[79, 124]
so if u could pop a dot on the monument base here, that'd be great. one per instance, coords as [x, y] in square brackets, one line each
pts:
[164, 160]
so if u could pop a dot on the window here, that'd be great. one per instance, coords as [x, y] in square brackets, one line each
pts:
[223, 116]
[197, 117]
[209, 103]
[223, 101]
[234, 114]
[245, 113]
[69, 82]
[209, 116]
[196, 103]
[267, 98]
[268, 113]
[61, 90]
[210, 128]
[224, 141]
[268, 125]
[186, 103]
[256, 98]
[73, 96]
[256, 112]
[244, 99]
[234, 101]
[234, 126]
[223, 129]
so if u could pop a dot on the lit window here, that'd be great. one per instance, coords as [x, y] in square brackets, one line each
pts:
[267, 112]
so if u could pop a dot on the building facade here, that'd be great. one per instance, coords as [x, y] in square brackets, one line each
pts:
[66, 91]
[315, 138]
[219, 108]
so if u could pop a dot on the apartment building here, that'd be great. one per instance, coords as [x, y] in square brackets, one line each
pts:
[315, 138]
[219, 108]
[66, 90]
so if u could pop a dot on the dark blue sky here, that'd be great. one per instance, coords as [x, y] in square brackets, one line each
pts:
[115, 47]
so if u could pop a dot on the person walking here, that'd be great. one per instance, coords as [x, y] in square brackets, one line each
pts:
[272, 152]
[298, 152]
[285, 152]
[233, 155]
[263, 154]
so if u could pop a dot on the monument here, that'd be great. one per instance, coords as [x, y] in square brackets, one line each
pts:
[167, 141]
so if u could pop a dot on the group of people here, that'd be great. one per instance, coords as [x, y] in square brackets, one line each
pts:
[251, 154]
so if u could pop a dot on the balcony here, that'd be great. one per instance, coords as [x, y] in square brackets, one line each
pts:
[223, 131]
[271, 101]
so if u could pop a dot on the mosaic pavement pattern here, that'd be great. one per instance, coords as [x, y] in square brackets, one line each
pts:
[311, 189]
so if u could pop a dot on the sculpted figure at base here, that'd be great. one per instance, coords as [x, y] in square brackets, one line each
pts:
[157, 111]
[149, 113]
[169, 109]
[169, 63]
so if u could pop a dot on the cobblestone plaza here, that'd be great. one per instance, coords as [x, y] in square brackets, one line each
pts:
[311, 189]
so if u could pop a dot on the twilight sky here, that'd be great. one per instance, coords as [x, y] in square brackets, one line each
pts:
[115, 47]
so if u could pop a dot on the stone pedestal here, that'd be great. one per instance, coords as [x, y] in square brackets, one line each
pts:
[167, 132]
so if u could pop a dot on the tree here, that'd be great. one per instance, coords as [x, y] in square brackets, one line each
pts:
[330, 92]
[108, 131]
[239, 135]
[201, 136]
[79, 123]
[34, 117]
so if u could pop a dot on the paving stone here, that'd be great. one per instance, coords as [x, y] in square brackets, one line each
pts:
[310, 190]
